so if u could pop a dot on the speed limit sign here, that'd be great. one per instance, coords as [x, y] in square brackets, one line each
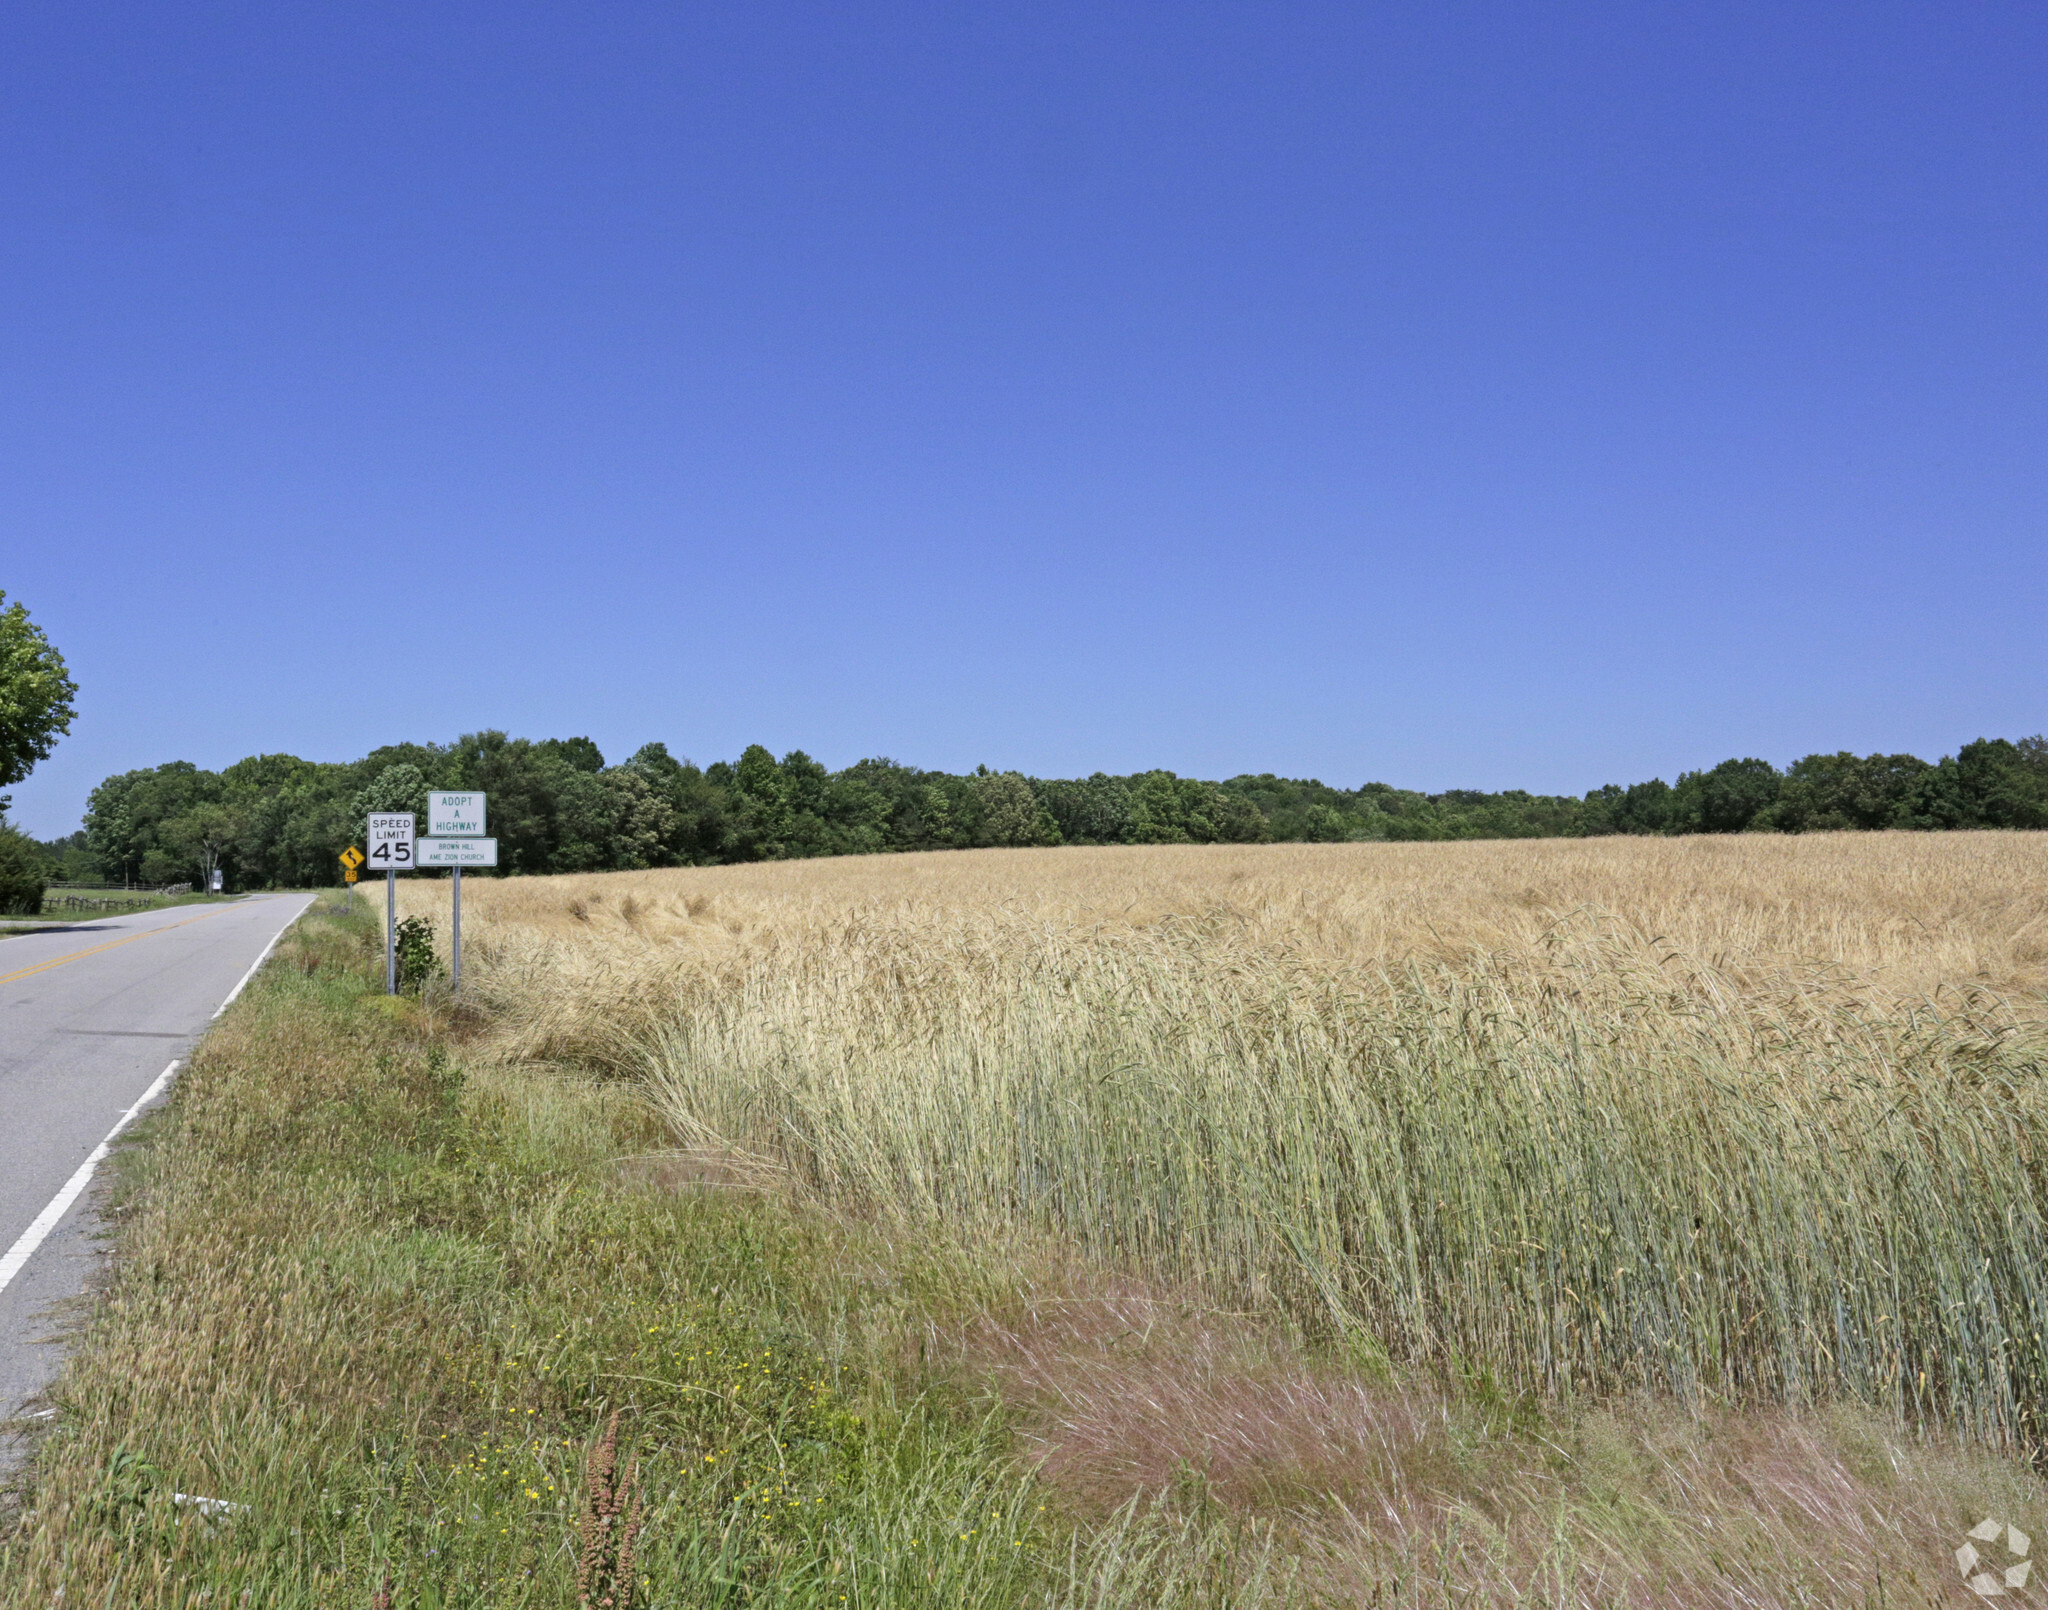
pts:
[390, 841]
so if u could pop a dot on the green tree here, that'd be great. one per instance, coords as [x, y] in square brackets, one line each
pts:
[126, 817]
[578, 754]
[643, 821]
[202, 838]
[935, 813]
[396, 788]
[1011, 815]
[585, 818]
[2003, 784]
[1727, 799]
[1831, 793]
[23, 874]
[805, 787]
[761, 807]
[35, 695]
[1088, 810]
[700, 808]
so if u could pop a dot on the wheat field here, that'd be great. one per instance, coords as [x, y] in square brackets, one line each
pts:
[1745, 1120]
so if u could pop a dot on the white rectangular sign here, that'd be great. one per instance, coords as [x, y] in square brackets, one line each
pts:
[390, 842]
[458, 852]
[455, 815]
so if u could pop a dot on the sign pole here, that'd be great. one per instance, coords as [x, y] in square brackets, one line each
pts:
[455, 825]
[390, 835]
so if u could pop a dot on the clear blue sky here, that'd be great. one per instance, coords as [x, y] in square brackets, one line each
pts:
[1482, 396]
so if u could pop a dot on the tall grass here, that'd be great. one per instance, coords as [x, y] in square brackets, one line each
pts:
[1518, 1112]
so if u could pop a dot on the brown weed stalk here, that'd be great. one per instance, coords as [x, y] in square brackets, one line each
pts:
[610, 1526]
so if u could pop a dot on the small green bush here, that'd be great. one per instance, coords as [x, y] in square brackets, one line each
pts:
[415, 952]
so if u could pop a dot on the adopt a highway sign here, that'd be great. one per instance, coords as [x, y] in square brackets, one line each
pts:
[390, 840]
[455, 815]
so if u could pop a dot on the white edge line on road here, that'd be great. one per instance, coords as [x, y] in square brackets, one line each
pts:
[12, 1261]
[16, 1257]
[259, 961]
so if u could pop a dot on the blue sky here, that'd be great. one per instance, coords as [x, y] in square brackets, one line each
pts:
[1459, 396]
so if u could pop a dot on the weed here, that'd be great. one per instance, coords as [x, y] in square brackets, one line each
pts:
[610, 1526]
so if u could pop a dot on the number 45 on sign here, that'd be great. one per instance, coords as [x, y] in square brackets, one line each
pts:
[390, 835]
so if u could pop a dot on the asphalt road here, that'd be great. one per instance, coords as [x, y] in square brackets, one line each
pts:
[91, 1015]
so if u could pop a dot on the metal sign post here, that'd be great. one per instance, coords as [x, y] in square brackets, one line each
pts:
[456, 822]
[390, 839]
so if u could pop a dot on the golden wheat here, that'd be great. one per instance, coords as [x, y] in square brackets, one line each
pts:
[1756, 1118]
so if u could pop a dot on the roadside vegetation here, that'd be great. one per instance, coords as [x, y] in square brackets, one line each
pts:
[1628, 1222]
[382, 1300]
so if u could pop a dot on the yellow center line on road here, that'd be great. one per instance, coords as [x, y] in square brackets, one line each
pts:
[78, 955]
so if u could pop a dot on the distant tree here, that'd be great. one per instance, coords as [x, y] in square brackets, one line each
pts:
[876, 804]
[859, 813]
[1090, 810]
[202, 837]
[1727, 799]
[263, 774]
[1324, 824]
[643, 821]
[395, 788]
[126, 817]
[761, 826]
[935, 814]
[586, 818]
[69, 859]
[805, 785]
[35, 695]
[1158, 813]
[1011, 815]
[693, 815]
[579, 754]
[1638, 808]
[2003, 784]
[1824, 793]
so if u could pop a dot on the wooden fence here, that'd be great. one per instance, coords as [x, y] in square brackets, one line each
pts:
[88, 897]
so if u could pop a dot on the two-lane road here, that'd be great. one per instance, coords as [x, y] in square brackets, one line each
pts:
[91, 1015]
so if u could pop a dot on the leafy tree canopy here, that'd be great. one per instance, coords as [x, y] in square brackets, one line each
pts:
[35, 694]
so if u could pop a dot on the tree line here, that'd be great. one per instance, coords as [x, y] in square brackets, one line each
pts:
[556, 805]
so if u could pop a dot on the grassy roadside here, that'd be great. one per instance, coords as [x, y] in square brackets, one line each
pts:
[386, 1289]
[388, 1306]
